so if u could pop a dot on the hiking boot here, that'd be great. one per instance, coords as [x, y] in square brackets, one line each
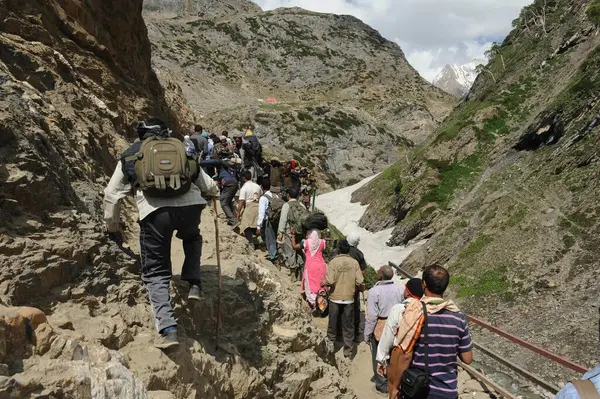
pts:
[329, 346]
[167, 339]
[348, 353]
[195, 293]
[235, 225]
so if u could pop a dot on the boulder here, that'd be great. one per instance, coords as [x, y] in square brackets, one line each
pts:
[15, 334]
[34, 315]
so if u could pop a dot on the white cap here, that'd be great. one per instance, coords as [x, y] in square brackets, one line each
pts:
[353, 239]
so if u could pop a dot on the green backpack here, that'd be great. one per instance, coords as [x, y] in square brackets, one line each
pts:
[162, 167]
[274, 209]
[297, 216]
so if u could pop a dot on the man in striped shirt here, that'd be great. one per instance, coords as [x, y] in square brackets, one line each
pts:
[449, 337]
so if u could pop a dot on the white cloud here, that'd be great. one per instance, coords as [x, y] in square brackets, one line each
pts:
[432, 33]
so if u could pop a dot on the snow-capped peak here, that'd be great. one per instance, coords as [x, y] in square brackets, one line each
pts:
[457, 79]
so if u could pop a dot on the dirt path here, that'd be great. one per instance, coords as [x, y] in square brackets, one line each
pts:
[357, 372]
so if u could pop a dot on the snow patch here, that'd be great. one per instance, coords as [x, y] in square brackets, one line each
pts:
[345, 215]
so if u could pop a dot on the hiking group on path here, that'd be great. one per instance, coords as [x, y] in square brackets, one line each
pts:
[415, 335]
[170, 180]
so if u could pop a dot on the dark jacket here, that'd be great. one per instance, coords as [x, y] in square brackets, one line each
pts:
[201, 144]
[225, 174]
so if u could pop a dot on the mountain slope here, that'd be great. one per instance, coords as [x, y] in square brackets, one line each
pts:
[457, 79]
[507, 188]
[75, 76]
[346, 97]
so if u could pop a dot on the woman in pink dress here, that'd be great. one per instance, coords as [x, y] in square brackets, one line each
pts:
[315, 266]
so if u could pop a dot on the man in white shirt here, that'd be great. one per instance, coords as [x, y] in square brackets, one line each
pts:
[264, 228]
[250, 194]
[413, 291]
[159, 217]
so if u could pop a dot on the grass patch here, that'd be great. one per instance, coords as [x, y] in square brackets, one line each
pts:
[569, 241]
[488, 283]
[459, 121]
[452, 177]
[593, 11]
[517, 216]
[304, 117]
[475, 247]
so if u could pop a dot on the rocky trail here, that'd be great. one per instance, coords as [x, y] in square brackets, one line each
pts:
[92, 346]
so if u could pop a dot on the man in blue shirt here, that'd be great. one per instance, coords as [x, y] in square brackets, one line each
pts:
[228, 185]
[570, 392]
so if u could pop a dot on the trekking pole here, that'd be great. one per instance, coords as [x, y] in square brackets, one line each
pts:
[219, 295]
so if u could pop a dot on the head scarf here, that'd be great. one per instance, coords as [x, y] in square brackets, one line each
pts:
[353, 239]
[313, 241]
[249, 133]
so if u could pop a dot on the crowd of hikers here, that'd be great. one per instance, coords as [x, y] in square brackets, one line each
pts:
[416, 336]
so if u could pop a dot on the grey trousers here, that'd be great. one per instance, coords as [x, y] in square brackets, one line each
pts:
[293, 259]
[156, 231]
[380, 382]
[343, 314]
[227, 196]
[268, 236]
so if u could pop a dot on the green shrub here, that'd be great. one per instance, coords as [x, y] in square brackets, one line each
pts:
[489, 282]
[370, 277]
[452, 177]
[593, 11]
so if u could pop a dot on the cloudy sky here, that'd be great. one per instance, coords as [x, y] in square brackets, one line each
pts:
[432, 33]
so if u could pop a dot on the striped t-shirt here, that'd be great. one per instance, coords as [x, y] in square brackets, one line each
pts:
[448, 336]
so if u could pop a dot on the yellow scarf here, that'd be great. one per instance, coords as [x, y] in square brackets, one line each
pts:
[409, 328]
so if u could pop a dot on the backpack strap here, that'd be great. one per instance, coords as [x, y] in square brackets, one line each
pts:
[586, 389]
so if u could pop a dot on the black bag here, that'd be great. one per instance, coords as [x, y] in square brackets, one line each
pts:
[415, 382]
[316, 221]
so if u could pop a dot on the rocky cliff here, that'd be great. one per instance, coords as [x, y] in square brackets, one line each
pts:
[507, 188]
[347, 99]
[75, 76]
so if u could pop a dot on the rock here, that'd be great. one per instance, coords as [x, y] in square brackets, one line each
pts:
[160, 395]
[14, 334]
[473, 385]
[35, 316]
[64, 324]
[44, 336]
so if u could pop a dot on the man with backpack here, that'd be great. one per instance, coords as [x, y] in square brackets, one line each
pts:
[168, 187]
[252, 155]
[293, 214]
[269, 210]
[275, 172]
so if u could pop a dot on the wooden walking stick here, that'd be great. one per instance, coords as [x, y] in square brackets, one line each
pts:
[219, 295]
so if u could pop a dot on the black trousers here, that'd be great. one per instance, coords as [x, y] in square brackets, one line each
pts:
[357, 317]
[343, 314]
[156, 232]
